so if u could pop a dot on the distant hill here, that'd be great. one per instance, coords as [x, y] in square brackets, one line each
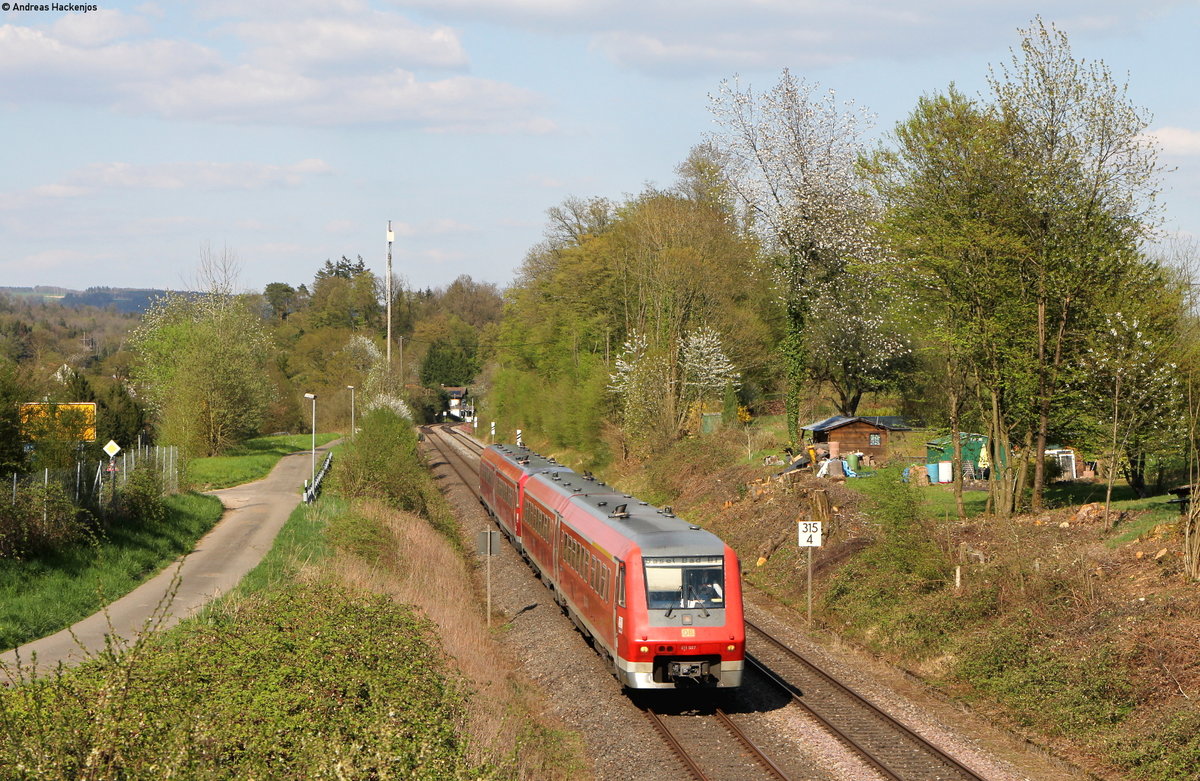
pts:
[130, 300]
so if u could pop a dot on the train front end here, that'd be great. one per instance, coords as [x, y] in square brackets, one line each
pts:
[684, 625]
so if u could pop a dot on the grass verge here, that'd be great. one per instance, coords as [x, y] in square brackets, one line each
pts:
[252, 460]
[40, 596]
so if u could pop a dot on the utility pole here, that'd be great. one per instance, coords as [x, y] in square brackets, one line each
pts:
[388, 294]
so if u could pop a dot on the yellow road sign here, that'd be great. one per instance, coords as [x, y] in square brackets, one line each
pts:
[74, 422]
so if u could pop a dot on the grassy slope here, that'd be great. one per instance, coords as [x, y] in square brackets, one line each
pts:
[41, 596]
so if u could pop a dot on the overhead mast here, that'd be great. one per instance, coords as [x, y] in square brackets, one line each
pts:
[388, 295]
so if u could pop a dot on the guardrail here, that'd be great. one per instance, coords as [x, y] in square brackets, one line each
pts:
[311, 492]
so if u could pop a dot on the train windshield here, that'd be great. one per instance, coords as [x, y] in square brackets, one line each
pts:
[674, 582]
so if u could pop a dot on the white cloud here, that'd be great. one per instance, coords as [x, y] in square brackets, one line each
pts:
[292, 249]
[203, 176]
[48, 260]
[251, 94]
[439, 256]
[449, 226]
[1177, 140]
[58, 191]
[98, 27]
[273, 9]
[663, 37]
[197, 176]
[325, 70]
[371, 41]
[39, 66]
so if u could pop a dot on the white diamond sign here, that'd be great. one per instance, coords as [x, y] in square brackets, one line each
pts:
[112, 448]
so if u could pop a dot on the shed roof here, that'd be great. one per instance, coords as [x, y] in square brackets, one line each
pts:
[889, 422]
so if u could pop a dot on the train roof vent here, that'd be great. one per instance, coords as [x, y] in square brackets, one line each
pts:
[523, 461]
[588, 476]
[602, 504]
[693, 527]
[644, 504]
[620, 511]
[668, 511]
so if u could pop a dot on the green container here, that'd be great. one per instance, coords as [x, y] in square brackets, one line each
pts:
[852, 460]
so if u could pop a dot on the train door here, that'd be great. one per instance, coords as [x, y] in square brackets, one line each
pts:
[619, 606]
[556, 549]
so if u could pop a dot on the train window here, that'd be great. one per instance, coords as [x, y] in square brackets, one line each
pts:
[674, 582]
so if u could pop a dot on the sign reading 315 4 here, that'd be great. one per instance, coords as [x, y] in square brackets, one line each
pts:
[810, 534]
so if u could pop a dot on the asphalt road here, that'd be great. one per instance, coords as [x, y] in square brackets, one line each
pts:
[254, 514]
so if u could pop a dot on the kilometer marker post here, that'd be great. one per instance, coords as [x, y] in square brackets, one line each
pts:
[810, 537]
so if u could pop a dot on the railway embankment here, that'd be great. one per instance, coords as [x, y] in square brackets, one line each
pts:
[1078, 638]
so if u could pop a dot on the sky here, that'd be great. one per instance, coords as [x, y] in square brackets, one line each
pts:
[137, 138]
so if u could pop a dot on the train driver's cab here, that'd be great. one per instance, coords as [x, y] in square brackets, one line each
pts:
[685, 583]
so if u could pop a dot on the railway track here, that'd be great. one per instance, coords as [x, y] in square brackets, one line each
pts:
[710, 745]
[888, 745]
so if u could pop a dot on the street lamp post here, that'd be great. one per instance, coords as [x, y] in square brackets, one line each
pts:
[313, 396]
[352, 429]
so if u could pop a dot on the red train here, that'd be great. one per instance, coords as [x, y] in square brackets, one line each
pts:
[660, 599]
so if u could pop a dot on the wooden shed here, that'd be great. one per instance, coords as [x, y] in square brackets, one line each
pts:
[869, 435]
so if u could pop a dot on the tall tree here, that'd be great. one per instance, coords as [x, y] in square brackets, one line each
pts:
[203, 367]
[792, 155]
[948, 187]
[1088, 177]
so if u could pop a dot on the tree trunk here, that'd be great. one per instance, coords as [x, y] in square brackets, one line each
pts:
[1112, 473]
[1043, 404]
[999, 485]
[1135, 473]
[956, 438]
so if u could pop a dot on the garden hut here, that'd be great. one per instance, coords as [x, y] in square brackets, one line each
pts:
[868, 435]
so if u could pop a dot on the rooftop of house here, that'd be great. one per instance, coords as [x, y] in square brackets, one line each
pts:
[889, 422]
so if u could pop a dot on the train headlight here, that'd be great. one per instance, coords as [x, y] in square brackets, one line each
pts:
[645, 649]
[731, 648]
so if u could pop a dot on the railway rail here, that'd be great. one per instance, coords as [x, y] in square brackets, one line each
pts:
[692, 739]
[887, 744]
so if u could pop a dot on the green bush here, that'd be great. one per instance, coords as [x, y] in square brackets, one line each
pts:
[141, 497]
[381, 462]
[350, 532]
[41, 519]
[307, 681]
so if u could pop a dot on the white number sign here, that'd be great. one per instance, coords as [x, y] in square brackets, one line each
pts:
[810, 534]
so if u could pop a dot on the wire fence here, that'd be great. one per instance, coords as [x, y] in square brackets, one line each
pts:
[95, 483]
